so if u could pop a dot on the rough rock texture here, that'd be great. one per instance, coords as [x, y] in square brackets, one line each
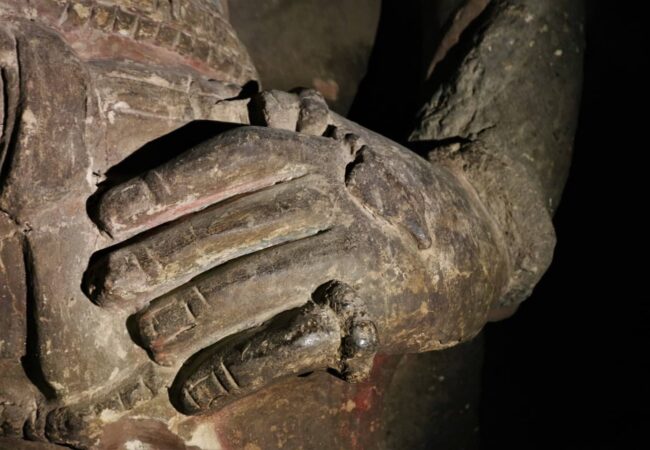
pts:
[503, 113]
[194, 33]
[179, 253]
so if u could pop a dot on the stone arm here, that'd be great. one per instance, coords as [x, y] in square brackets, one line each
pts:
[502, 113]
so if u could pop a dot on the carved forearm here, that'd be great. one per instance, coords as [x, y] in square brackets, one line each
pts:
[504, 116]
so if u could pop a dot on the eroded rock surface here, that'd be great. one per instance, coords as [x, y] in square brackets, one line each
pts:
[179, 251]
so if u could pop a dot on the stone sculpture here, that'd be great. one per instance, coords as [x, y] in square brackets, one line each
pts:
[178, 249]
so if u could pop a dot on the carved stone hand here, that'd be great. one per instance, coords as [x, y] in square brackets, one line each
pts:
[258, 219]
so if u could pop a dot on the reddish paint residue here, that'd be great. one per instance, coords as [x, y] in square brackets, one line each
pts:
[367, 398]
[93, 45]
[220, 421]
[380, 362]
[369, 393]
[280, 415]
[364, 399]
[328, 88]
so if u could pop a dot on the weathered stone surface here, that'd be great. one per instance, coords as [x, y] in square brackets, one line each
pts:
[19, 444]
[160, 256]
[191, 33]
[498, 120]
[333, 332]
[13, 291]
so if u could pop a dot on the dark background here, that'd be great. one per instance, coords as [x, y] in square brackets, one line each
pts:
[570, 370]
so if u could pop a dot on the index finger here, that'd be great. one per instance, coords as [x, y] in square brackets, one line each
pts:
[239, 161]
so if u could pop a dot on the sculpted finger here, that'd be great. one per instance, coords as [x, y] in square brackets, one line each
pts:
[238, 161]
[314, 113]
[276, 109]
[332, 331]
[303, 110]
[243, 294]
[169, 256]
